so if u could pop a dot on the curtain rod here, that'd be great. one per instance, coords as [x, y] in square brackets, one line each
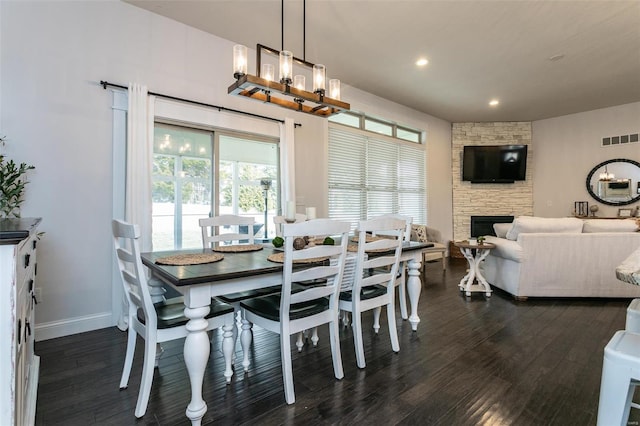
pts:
[104, 85]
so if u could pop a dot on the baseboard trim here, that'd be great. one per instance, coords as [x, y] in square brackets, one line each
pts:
[66, 327]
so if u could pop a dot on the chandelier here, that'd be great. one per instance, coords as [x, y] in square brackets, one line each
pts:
[288, 91]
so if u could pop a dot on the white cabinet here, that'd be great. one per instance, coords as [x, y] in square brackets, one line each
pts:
[18, 364]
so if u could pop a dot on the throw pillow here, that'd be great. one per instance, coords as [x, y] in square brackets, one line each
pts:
[501, 229]
[529, 224]
[419, 233]
[613, 225]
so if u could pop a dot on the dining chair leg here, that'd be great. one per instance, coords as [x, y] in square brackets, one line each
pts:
[300, 341]
[356, 321]
[336, 354]
[314, 337]
[147, 376]
[287, 369]
[228, 349]
[128, 358]
[393, 331]
[159, 353]
[245, 342]
[376, 318]
[344, 315]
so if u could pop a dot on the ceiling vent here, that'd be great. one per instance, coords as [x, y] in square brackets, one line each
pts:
[620, 140]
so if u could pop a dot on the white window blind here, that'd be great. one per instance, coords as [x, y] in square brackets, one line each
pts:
[370, 176]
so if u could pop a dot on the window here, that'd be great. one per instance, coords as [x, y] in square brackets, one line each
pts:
[185, 170]
[371, 175]
[377, 125]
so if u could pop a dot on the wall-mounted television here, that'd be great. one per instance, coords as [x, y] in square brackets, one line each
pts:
[494, 163]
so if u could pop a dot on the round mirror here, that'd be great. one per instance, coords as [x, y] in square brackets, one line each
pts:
[615, 182]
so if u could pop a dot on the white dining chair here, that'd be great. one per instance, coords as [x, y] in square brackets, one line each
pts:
[373, 287]
[212, 229]
[401, 280]
[212, 234]
[155, 323]
[280, 220]
[290, 312]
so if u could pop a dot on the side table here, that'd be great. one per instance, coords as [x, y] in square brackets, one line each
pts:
[475, 254]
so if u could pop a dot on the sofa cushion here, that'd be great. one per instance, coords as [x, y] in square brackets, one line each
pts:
[419, 233]
[613, 225]
[530, 224]
[501, 229]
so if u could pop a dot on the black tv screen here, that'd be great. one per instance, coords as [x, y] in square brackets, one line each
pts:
[494, 163]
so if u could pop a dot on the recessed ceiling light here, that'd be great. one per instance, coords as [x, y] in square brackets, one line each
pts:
[494, 102]
[422, 62]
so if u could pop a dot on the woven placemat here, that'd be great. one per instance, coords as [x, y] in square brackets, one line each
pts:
[354, 248]
[238, 248]
[190, 259]
[369, 239]
[279, 258]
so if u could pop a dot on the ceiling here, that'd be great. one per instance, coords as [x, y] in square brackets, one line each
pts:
[477, 50]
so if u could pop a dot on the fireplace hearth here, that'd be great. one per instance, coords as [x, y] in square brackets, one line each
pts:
[483, 225]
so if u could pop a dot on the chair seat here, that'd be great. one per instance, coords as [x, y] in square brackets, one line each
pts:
[170, 312]
[365, 294]
[269, 307]
[244, 295]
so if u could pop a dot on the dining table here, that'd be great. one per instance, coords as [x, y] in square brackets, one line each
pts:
[237, 272]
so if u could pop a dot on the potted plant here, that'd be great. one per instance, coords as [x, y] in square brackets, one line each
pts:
[12, 184]
[481, 239]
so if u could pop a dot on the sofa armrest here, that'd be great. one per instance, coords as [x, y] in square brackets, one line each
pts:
[505, 249]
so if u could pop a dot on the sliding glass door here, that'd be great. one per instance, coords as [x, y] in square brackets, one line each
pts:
[198, 173]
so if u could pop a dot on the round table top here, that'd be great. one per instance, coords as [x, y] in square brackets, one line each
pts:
[465, 245]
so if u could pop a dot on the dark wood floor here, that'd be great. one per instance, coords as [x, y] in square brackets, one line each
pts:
[472, 361]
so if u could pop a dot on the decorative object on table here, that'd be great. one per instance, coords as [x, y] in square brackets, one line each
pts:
[311, 213]
[624, 212]
[328, 241]
[481, 239]
[238, 248]
[12, 184]
[299, 243]
[594, 208]
[290, 214]
[189, 259]
[581, 208]
[277, 242]
[472, 241]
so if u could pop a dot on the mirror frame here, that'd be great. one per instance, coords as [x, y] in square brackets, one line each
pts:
[611, 203]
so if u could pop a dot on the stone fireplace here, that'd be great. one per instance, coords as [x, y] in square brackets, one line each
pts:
[483, 225]
[469, 199]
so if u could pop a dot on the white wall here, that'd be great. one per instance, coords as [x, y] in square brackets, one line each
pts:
[57, 117]
[568, 147]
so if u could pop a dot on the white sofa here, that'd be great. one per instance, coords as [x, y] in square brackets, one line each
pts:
[562, 257]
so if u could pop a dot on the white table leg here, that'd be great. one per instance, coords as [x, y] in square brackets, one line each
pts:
[196, 356]
[413, 289]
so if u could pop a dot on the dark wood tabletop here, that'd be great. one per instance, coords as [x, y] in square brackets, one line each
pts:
[234, 265]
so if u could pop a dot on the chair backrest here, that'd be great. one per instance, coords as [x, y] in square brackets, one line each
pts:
[297, 268]
[126, 239]
[212, 226]
[279, 221]
[407, 230]
[377, 260]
